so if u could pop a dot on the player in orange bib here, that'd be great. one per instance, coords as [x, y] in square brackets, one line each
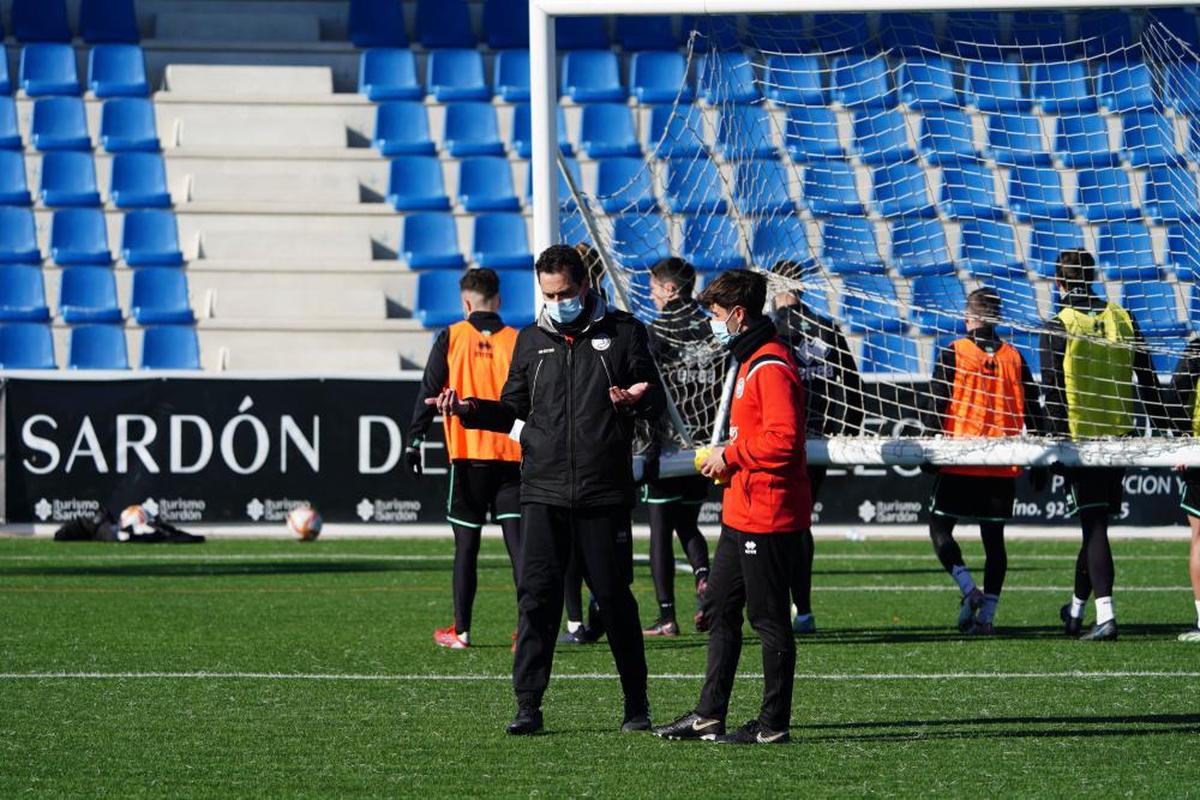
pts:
[982, 387]
[472, 357]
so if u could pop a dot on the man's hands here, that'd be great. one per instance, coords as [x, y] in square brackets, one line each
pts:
[448, 404]
[714, 466]
[627, 398]
[412, 459]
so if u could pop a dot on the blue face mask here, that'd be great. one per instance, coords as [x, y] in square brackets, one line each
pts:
[564, 311]
[720, 331]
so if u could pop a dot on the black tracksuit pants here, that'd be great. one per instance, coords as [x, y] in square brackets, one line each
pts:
[604, 543]
[753, 571]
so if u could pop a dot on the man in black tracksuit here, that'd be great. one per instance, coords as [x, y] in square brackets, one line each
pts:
[580, 376]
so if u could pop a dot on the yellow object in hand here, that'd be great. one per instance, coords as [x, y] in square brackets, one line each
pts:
[702, 455]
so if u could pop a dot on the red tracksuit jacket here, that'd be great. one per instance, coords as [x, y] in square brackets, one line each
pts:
[769, 490]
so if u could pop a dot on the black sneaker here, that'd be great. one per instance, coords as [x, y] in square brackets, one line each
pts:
[754, 732]
[1101, 632]
[1073, 626]
[637, 715]
[691, 726]
[580, 636]
[527, 722]
[664, 626]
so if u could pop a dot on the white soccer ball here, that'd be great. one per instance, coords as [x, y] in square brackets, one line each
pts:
[135, 519]
[304, 522]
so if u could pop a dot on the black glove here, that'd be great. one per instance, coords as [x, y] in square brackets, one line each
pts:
[1039, 478]
[412, 458]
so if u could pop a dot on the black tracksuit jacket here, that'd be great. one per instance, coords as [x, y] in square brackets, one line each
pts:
[832, 384]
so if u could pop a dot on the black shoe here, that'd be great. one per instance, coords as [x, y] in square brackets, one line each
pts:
[1101, 632]
[1073, 625]
[580, 636]
[691, 726]
[527, 722]
[637, 716]
[754, 732]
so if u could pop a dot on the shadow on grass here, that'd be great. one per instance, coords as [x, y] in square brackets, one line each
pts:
[1027, 727]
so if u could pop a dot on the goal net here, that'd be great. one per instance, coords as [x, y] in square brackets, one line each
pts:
[878, 168]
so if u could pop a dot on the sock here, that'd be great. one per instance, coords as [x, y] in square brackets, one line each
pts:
[666, 611]
[1077, 607]
[988, 612]
[573, 625]
[962, 576]
[464, 637]
[701, 574]
[1198, 613]
[803, 617]
[1104, 610]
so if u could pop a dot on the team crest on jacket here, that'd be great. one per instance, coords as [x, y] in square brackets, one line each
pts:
[741, 387]
[601, 341]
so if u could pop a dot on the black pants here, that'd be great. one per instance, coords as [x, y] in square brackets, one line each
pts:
[666, 520]
[995, 557]
[466, 565]
[573, 586]
[802, 574]
[1094, 568]
[605, 545]
[751, 571]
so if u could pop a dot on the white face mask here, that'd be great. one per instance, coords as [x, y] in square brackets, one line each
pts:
[564, 311]
[720, 330]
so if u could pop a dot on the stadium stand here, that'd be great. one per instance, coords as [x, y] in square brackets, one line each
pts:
[69, 179]
[87, 295]
[79, 236]
[48, 69]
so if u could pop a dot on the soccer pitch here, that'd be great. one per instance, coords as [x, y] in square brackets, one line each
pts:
[271, 668]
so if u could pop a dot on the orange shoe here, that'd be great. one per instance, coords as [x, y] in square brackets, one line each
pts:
[448, 637]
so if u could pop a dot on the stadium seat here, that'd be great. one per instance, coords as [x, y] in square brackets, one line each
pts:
[1103, 195]
[659, 76]
[677, 132]
[455, 74]
[565, 200]
[1016, 139]
[139, 180]
[501, 241]
[79, 237]
[26, 345]
[794, 80]
[1029, 346]
[988, 248]
[1019, 307]
[430, 241]
[108, 21]
[97, 347]
[151, 239]
[48, 69]
[59, 123]
[712, 243]
[471, 130]
[1165, 353]
[1082, 142]
[882, 137]
[910, 35]
[485, 184]
[938, 305]
[1124, 86]
[1039, 35]
[1154, 306]
[1183, 252]
[1169, 194]
[831, 188]
[438, 302]
[14, 190]
[848, 246]
[10, 133]
[860, 82]
[889, 353]
[128, 123]
[838, 32]
[88, 295]
[506, 24]
[726, 77]
[606, 130]
[170, 347]
[416, 184]
[1035, 193]
[389, 73]
[925, 83]
[1049, 238]
[18, 237]
[402, 128]
[780, 239]
[377, 23]
[581, 33]
[745, 132]
[1125, 251]
[995, 86]
[624, 184]
[510, 75]
[117, 70]
[635, 33]
[522, 132]
[969, 191]
[919, 247]
[1063, 88]
[1148, 140]
[760, 187]
[901, 190]
[592, 76]
[974, 35]
[444, 23]
[947, 137]
[517, 290]
[22, 294]
[870, 303]
[571, 228]
[40, 21]
[640, 240]
[812, 134]
[694, 187]
[1104, 33]
[716, 32]
[69, 179]
[1178, 21]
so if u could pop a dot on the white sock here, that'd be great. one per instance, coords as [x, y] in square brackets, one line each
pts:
[573, 626]
[962, 576]
[1104, 610]
[1198, 613]
[988, 612]
[1077, 607]
[464, 637]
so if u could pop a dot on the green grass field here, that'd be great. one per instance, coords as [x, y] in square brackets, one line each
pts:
[271, 668]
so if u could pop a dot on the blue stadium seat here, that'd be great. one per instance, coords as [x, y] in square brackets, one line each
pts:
[402, 128]
[510, 75]
[438, 302]
[1035, 193]
[88, 295]
[938, 305]
[1154, 307]
[901, 190]
[1169, 194]
[128, 123]
[444, 23]
[712, 243]
[1029, 346]
[636, 33]
[1016, 139]
[677, 132]
[1148, 140]
[694, 187]
[389, 73]
[522, 132]
[795, 80]
[947, 137]
[607, 129]
[117, 70]
[839, 32]
[974, 35]
[1019, 307]
[139, 180]
[995, 86]
[40, 21]
[501, 241]
[889, 353]
[812, 134]
[882, 138]
[565, 200]
[69, 179]
[640, 240]
[1103, 195]
[860, 82]
[780, 239]
[48, 69]
[10, 133]
[79, 237]
[571, 227]
[870, 303]
[659, 76]
[1049, 238]
[170, 347]
[1040, 36]
[471, 130]
[151, 239]
[592, 76]
[919, 247]
[760, 187]
[26, 345]
[506, 24]
[988, 248]
[456, 74]
[22, 294]
[1105, 33]
[717, 32]
[926, 82]
[18, 237]
[581, 33]
[1063, 88]
[1180, 23]
[485, 184]
[59, 123]
[377, 23]
[108, 21]
[1124, 86]
[848, 246]
[430, 241]
[1165, 354]
[1125, 251]
[1183, 252]
[14, 190]
[910, 35]
[969, 191]
[517, 289]
[1082, 142]
[416, 184]
[830, 187]
[160, 298]
[624, 184]
[745, 132]
[726, 77]
[97, 347]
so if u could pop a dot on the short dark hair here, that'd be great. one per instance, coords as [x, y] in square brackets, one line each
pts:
[678, 272]
[1075, 268]
[562, 258]
[984, 304]
[737, 287]
[482, 281]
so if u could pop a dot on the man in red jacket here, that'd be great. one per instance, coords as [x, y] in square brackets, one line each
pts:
[767, 503]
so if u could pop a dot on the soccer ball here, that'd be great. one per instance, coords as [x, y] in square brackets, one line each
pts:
[305, 522]
[135, 519]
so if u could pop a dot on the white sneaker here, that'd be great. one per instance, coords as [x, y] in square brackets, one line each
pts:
[1191, 636]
